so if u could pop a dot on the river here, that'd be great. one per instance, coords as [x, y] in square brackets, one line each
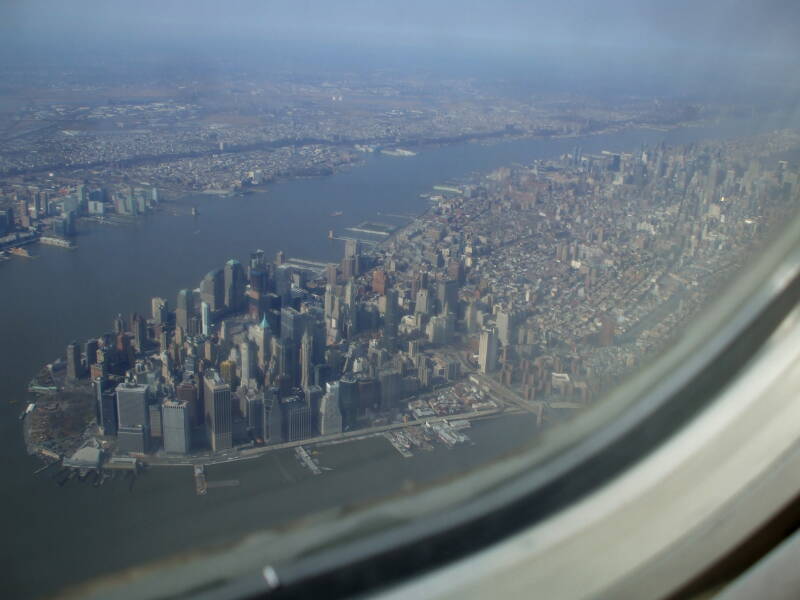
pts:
[59, 536]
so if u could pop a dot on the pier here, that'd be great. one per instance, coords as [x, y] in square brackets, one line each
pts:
[222, 483]
[306, 459]
[56, 241]
[397, 443]
[200, 484]
[368, 231]
[343, 238]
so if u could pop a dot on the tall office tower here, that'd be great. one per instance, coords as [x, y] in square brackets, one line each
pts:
[348, 401]
[306, 360]
[255, 414]
[487, 351]
[351, 263]
[234, 285]
[257, 259]
[280, 258]
[329, 301]
[288, 363]
[247, 361]
[186, 391]
[177, 430]
[330, 415]
[423, 304]
[273, 433]
[159, 309]
[74, 365]
[133, 421]
[261, 336]
[349, 293]
[154, 420]
[227, 371]
[391, 318]
[139, 326]
[22, 214]
[6, 221]
[184, 309]
[296, 419]
[331, 274]
[259, 278]
[212, 290]
[81, 193]
[119, 325]
[447, 295]
[391, 387]
[505, 322]
[91, 352]
[437, 330]
[349, 269]
[316, 329]
[219, 411]
[352, 248]
[205, 319]
[106, 407]
[283, 283]
[293, 325]
[471, 317]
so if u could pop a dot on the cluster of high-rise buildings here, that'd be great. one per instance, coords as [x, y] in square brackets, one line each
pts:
[548, 280]
[27, 211]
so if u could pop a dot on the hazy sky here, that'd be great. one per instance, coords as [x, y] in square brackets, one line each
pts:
[740, 26]
[721, 46]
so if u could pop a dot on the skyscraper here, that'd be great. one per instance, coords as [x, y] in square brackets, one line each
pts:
[348, 402]
[184, 309]
[293, 325]
[247, 363]
[306, 360]
[74, 365]
[505, 323]
[187, 392]
[205, 318]
[391, 317]
[159, 310]
[487, 351]
[176, 426]
[106, 407]
[91, 352]
[447, 295]
[258, 275]
[234, 285]
[212, 290]
[330, 415]
[219, 411]
[296, 419]
[261, 336]
[139, 326]
[132, 417]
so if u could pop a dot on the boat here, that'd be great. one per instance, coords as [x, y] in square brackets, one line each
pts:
[28, 410]
[19, 251]
[194, 211]
[337, 213]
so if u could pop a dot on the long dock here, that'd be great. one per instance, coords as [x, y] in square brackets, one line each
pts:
[306, 459]
[222, 483]
[369, 231]
[394, 440]
[201, 486]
